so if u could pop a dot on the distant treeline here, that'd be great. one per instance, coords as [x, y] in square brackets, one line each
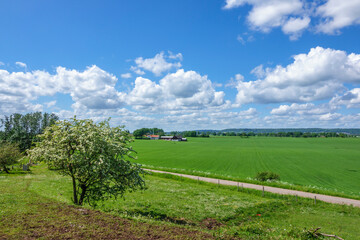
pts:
[194, 134]
[256, 131]
[22, 129]
[285, 134]
[140, 133]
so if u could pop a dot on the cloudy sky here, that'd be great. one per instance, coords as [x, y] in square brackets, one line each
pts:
[184, 64]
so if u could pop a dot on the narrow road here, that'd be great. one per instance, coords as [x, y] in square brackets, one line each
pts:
[321, 197]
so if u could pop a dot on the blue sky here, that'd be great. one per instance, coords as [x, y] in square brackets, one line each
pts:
[182, 65]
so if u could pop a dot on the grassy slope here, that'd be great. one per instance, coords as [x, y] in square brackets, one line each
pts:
[327, 163]
[29, 210]
[171, 202]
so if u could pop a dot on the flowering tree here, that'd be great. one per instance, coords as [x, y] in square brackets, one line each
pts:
[95, 156]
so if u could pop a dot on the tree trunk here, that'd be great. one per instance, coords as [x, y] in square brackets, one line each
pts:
[82, 196]
[6, 170]
[74, 191]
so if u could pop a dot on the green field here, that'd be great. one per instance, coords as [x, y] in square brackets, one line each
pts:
[325, 164]
[37, 205]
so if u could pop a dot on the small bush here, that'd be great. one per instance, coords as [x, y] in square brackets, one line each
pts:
[267, 176]
[9, 155]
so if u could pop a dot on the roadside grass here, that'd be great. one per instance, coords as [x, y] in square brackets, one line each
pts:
[320, 165]
[221, 211]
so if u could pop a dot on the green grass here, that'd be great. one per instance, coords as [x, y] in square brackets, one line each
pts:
[174, 202]
[327, 165]
[38, 206]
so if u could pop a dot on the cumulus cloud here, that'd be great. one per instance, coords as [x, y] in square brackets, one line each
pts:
[316, 75]
[176, 91]
[21, 64]
[350, 99]
[158, 64]
[337, 14]
[295, 16]
[266, 15]
[92, 88]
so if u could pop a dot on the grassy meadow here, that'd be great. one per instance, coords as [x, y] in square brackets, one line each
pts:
[327, 165]
[38, 205]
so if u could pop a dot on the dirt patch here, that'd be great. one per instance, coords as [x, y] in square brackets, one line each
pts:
[211, 223]
[60, 221]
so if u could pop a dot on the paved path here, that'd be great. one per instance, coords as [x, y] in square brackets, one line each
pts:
[321, 197]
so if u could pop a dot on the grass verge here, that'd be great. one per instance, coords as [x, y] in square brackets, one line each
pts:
[171, 207]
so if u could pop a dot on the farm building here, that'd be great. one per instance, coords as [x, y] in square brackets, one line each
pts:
[153, 137]
[172, 138]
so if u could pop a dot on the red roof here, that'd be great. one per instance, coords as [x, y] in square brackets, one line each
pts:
[154, 136]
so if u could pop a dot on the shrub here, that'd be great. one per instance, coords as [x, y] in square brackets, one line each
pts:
[9, 155]
[267, 176]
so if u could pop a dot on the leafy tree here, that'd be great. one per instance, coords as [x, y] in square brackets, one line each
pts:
[9, 155]
[95, 156]
[190, 134]
[139, 133]
[22, 129]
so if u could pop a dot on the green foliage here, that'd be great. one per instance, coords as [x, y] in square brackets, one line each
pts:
[95, 156]
[23, 129]
[189, 134]
[140, 133]
[267, 176]
[9, 155]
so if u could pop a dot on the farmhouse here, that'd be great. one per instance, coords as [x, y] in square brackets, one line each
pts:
[153, 137]
[171, 138]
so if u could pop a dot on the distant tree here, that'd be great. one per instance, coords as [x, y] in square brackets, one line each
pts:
[190, 134]
[23, 129]
[95, 156]
[204, 135]
[140, 133]
[9, 155]
[174, 133]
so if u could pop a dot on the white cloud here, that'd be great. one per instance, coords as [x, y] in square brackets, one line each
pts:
[178, 56]
[21, 64]
[92, 89]
[157, 64]
[126, 75]
[234, 81]
[266, 15]
[2, 64]
[145, 93]
[302, 109]
[314, 76]
[259, 71]
[295, 16]
[294, 27]
[350, 99]
[337, 14]
[50, 104]
[176, 92]
[137, 70]
[241, 39]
